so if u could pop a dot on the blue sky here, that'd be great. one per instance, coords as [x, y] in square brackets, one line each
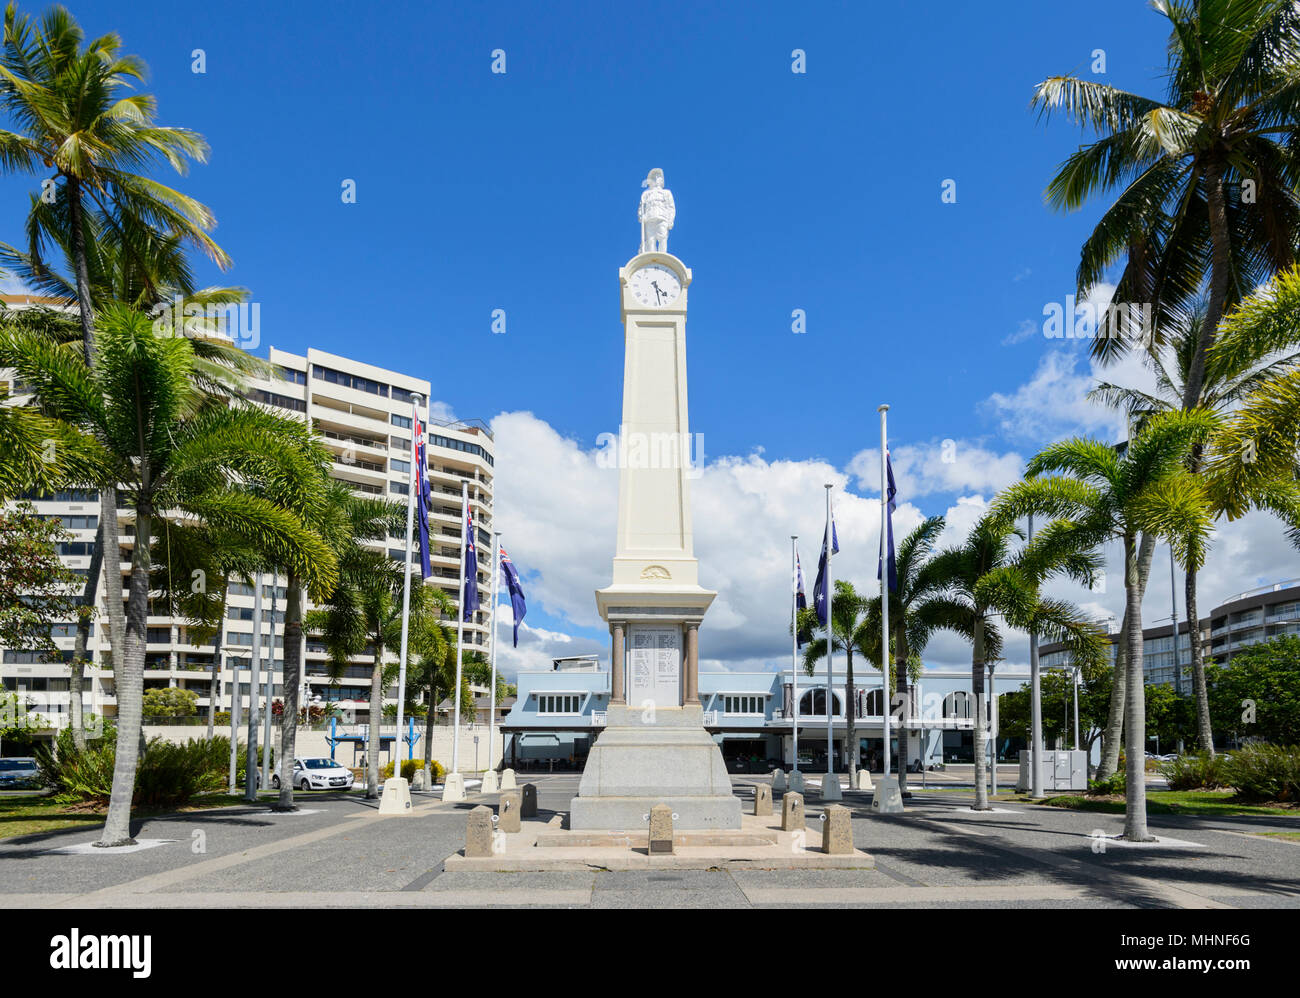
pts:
[818, 191]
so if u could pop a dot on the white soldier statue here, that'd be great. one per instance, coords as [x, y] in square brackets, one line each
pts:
[656, 213]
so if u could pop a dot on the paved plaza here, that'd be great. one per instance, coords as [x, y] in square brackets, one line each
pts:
[338, 852]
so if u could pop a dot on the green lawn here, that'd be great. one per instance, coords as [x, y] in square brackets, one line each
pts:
[1291, 836]
[1209, 803]
[38, 814]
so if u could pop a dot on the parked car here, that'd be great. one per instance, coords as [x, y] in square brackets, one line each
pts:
[20, 773]
[317, 774]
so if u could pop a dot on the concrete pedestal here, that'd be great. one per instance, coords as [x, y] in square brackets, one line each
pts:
[831, 787]
[646, 758]
[887, 798]
[453, 787]
[396, 798]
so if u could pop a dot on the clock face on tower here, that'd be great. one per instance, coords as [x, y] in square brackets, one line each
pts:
[655, 285]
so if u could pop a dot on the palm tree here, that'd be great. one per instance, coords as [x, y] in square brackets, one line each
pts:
[1228, 378]
[433, 675]
[363, 614]
[917, 599]
[850, 631]
[1096, 494]
[1208, 174]
[78, 115]
[175, 451]
[984, 579]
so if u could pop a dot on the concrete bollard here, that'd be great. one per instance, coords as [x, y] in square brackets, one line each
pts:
[792, 812]
[528, 806]
[417, 780]
[509, 810]
[796, 781]
[453, 787]
[489, 783]
[508, 779]
[478, 833]
[831, 787]
[762, 799]
[864, 780]
[661, 829]
[837, 831]
[396, 798]
[778, 779]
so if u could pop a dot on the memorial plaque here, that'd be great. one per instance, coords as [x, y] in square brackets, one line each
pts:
[654, 666]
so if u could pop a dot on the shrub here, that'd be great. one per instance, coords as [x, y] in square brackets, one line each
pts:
[1196, 771]
[170, 702]
[1265, 772]
[409, 766]
[171, 775]
[1116, 784]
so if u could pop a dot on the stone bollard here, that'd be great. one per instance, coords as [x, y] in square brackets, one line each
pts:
[396, 798]
[796, 781]
[778, 779]
[661, 829]
[478, 833]
[453, 787]
[831, 787]
[528, 806]
[792, 812]
[762, 799]
[837, 831]
[489, 783]
[418, 781]
[864, 780]
[508, 779]
[509, 811]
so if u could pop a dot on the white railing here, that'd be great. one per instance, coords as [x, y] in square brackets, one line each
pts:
[710, 717]
[597, 718]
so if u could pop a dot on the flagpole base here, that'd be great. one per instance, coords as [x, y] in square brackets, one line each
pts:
[887, 799]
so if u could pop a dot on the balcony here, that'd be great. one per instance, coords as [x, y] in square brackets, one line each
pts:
[598, 718]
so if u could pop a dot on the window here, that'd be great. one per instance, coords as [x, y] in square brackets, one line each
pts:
[75, 522]
[440, 441]
[395, 465]
[400, 488]
[743, 704]
[333, 377]
[813, 703]
[281, 401]
[559, 703]
[296, 377]
[403, 421]
[401, 395]
[75, 548]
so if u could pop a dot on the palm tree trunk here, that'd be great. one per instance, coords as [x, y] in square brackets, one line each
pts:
[901, 654]
[376, 721]
[128, 669]
[1220, 264]
[107, 537]
[85, 613]
[850, 725]
[1204, 731]
[292, 680]
[1135, 793]
[216, 658]
[428, 737]
[1111, 737]
[978, 735]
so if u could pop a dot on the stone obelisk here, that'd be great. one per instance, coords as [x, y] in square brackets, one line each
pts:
[654, 747]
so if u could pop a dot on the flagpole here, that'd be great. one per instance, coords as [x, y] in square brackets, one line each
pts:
[492, 710]
[830, 644]
[414, 480]
[460, 628]
[885, 705]
[794, 640]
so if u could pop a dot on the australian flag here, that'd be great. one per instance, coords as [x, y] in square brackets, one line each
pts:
[820, 587]
[891, 491]
[420, 480]
[517, 604]
[469, 589]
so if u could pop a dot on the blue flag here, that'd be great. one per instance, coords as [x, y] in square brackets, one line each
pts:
[517, 604]
[820, 587]
[469, 589]
[419, 479]
[891, 492]
[800, 598]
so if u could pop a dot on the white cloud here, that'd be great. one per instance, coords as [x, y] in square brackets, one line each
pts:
[939, 466]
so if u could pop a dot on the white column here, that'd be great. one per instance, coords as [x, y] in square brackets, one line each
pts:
[414, 484]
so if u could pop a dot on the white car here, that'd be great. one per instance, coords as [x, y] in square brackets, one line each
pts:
[317, 774]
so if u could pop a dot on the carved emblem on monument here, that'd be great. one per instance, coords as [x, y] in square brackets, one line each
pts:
[655, 572]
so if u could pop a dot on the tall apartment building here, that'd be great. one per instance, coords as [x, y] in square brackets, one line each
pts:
[363, 414]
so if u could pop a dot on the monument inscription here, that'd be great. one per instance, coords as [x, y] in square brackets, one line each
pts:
[655, 666]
